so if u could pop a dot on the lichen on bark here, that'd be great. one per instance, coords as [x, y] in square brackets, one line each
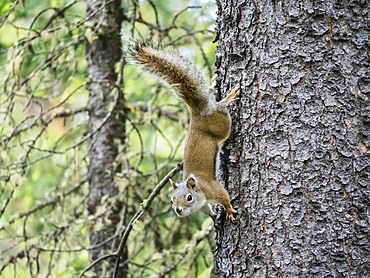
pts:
[107, 115]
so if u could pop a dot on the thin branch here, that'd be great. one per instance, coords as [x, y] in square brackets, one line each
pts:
[173, 116]
[15, 3]
[184, 253]
[102, 258]
[146, 204]
[45, 204]
[182, 11]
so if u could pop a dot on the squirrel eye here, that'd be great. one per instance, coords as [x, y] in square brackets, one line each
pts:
[189, 198]
[171, 202]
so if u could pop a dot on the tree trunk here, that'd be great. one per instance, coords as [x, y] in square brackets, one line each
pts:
[103, 51]
[297, 165]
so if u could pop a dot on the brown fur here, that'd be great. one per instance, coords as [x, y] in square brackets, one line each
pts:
[210, 124]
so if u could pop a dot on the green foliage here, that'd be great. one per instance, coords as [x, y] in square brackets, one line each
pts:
[44, 144]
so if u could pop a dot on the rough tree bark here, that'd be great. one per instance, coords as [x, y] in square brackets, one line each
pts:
[297, 164]
[103, 51]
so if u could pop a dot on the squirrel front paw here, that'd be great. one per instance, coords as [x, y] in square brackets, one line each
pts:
[230, 211]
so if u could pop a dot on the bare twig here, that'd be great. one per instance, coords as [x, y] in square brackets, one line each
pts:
[186, 251]
[144, 206]
[45, 204]
[138, 214]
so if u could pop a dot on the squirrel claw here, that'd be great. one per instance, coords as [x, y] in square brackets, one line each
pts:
[233, 95]
[230, 213]
[230, 216]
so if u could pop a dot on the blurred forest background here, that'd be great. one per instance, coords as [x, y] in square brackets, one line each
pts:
[45, 142]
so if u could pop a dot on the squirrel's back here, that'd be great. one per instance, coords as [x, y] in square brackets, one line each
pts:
[210, 125]
[177, 71]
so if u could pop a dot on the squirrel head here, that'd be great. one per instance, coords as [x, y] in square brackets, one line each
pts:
[187, 196]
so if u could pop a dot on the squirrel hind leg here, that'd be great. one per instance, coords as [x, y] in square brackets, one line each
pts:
[232, 96]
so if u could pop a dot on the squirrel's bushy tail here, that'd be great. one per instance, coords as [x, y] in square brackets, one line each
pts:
[168, 64]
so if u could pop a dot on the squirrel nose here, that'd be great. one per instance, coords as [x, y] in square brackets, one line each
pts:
[179, 210]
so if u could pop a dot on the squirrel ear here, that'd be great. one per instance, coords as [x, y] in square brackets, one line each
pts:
[191, 182]
[174, 185]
